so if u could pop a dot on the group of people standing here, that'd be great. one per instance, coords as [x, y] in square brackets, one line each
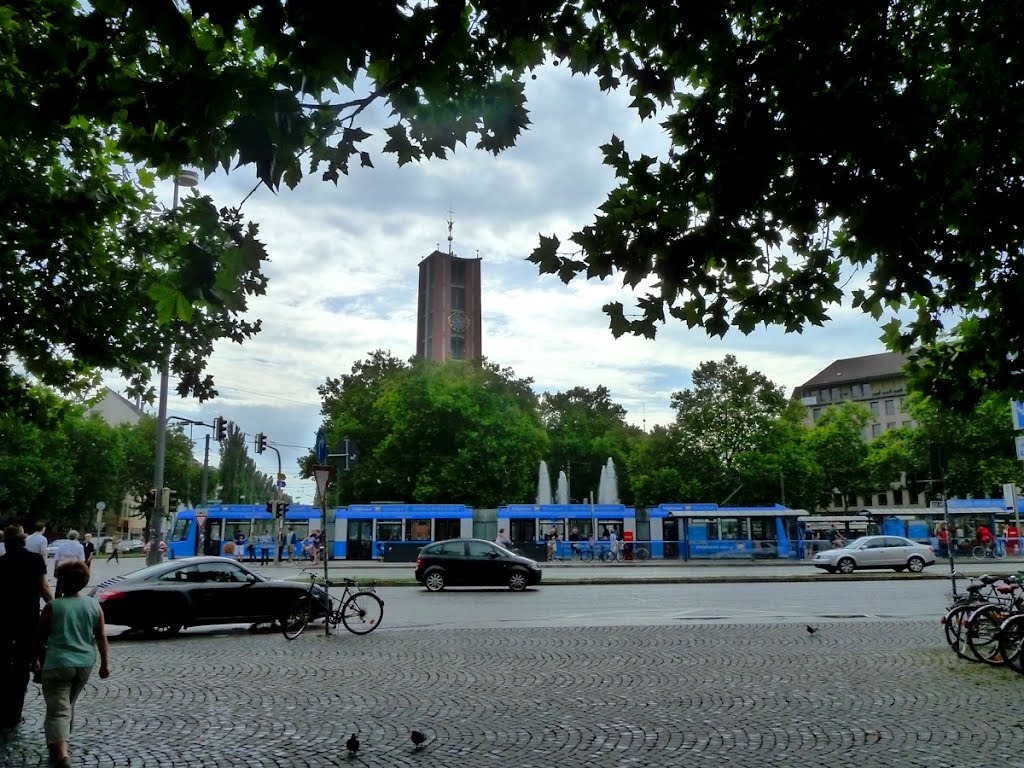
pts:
[262, 546]
[59, 644]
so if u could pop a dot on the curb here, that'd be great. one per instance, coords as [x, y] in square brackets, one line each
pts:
[606, 580]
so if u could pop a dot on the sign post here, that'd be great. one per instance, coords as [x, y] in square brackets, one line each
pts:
[322, 474]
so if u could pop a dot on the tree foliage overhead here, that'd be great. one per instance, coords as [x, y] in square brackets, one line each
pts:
[808, 137]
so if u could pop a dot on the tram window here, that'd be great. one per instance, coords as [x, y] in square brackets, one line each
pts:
[705, 529]
[417, 530]
[583, 526]
[447, 528]
[389, 530]
[522, 530]
[607, 527]
[180, 532]
[762, 529]
[733, 528]
[546, 526]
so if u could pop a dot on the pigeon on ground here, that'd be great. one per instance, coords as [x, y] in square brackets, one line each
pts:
[418, 739]
[811, 630]
[352, 745]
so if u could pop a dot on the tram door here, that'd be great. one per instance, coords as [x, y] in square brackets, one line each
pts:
[360, 540]
[671, 538]
[212, 537]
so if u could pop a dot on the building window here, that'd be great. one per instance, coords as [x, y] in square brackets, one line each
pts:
[458, 272]
[897, 497]
[890, 407]
[908, 423]
[458, 297]
[417, 530]
[876, 408]
[876, 430]
[823, 396]
[835, 394]
[816, 414]
[890, 425]
[865, 390]
[458, 347]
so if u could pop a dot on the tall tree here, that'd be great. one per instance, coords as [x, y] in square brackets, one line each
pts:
[837, 442]
[435, 432]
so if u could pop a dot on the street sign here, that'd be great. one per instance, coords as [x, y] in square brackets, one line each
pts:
[1018, 415]
[321, 446]
[200, 519]
[1019, 442]
[281, 476]
[322, 474]
[280, 483]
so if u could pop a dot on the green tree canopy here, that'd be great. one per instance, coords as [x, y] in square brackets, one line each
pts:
[432, 432]
[837, 444]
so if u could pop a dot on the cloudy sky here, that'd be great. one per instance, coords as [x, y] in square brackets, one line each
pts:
[343, 274]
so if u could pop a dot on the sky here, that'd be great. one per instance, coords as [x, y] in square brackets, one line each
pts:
[343, 277]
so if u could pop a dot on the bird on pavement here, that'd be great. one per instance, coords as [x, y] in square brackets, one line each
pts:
[811, 630]
[418, 739]
[352, 745]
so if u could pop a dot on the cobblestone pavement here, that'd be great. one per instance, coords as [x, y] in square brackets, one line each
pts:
[866, 694]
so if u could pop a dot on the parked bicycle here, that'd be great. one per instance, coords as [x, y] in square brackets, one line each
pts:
[359, 608]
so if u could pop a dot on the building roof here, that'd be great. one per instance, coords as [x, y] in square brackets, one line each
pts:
[115, 409]
[854, 369]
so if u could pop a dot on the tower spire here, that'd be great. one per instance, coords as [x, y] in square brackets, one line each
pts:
[451, 222]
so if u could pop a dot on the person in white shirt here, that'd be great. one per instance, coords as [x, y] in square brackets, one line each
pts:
[71, 549]
[36, 541]
[502, 540]
[613, 542]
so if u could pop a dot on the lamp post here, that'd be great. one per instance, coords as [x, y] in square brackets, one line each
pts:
[185, 178]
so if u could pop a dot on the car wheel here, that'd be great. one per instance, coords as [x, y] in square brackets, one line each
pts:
[434, 581]
[846, 565]
[915, 564]
[517, 581]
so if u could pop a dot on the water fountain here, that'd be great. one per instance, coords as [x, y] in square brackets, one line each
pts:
[543, 484]
[602, 487]
[562, 491]
[612, 482]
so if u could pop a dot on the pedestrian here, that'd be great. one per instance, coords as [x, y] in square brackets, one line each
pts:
[89, 548]
[291, 541]
[23, 575]
[551, 547]
[574, 542]
[71, 631]
[239, 545]
[69, 551]
[114, 544]
[317, 540]
[3, 547]
[501, 539]
[36, 542]
[253, 546]
[266, 541]
[613, 543]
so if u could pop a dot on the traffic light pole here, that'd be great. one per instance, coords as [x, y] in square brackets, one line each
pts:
[279, 518]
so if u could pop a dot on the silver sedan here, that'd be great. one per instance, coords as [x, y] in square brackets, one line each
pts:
[893, 552]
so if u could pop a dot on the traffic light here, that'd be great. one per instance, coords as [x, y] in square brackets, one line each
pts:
[261, 443]
[282, 508]
[220, 429]
[172, 498]
[270, 507]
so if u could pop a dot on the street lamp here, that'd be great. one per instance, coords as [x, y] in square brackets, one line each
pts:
[185, 178]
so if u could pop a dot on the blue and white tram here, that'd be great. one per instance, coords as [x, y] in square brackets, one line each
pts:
[707, 531]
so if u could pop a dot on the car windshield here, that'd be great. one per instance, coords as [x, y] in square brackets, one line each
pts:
[859, 543]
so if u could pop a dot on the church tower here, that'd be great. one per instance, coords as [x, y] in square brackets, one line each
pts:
[448, 308]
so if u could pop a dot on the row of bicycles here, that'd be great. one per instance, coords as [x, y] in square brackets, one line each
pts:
[985, 622]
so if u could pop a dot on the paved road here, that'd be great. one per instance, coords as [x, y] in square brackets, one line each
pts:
[572, 573]
[866, 693]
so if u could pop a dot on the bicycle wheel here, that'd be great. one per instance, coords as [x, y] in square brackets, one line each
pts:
[361, 613]
[297, 618]
[1011, 643]
[998, 551]
[982, 631]
[954, 623]
[978, 553]
[641, 553]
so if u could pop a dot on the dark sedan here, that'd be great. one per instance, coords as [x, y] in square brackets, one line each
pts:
[192, 592]
[474, 563]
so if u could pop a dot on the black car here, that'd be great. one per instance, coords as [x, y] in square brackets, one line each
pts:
[474, 563]
[194, 591]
